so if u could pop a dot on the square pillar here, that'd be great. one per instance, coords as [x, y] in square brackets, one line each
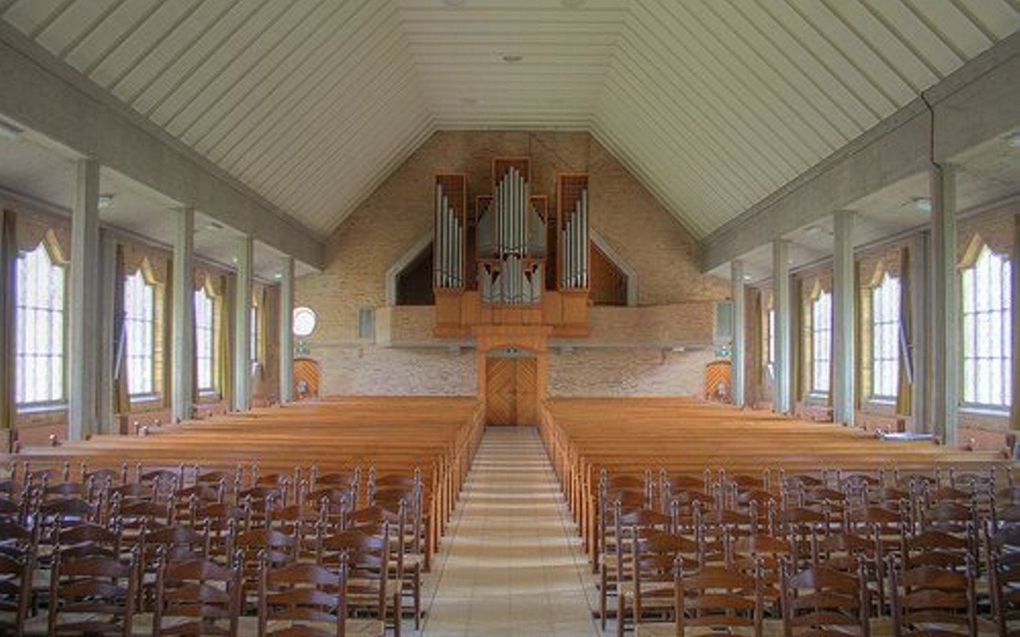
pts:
[781, 399]
[84, 304]
[920, 421]
[287, 331]
[843, 294]
[243, 326]
[945, 327]
[183, 359]
[739, 344]
[108, 293]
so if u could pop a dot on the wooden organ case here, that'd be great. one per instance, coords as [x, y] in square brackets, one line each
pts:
[511, 272]
[511, 260]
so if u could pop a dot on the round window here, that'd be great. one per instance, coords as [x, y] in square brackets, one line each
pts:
[304, 321]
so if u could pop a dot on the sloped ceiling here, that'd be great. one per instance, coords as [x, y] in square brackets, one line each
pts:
[713, 103]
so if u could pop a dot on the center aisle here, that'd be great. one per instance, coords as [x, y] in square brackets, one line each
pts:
[512, 563]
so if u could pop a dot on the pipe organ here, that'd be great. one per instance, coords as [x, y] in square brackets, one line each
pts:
[510, 237]
[516, 260]
[448, 247]
[575, 253]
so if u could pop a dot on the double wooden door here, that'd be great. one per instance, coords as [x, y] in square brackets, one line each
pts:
[511, 391]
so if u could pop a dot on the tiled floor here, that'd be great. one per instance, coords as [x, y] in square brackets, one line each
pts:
[512, 563]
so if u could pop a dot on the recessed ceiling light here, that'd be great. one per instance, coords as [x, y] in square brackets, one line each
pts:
[105, 201]
[922, 204]
[512, 57]
[212, 225]
[1013, 140]
[9, 132]
[278, 275]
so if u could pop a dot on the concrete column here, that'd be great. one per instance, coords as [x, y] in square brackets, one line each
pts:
[83, 368]
[287, 331]
[843, 295]
[781, 306]
[919, 317]
[243, 327]
[183, 360]
[738, 354]
[108, 290]
[945, 304]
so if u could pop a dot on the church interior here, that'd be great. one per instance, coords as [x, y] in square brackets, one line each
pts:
[651, 318]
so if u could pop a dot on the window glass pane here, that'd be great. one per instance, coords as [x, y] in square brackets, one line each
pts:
[139, 330]
[986, 331]
[39, 328]
[204, 352]
[821, 342]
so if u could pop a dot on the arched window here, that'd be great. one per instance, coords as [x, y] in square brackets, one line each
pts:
[140, 332]
[39, 337]
[885, 337]
[821, 342]
[987, 331]
[205, 349]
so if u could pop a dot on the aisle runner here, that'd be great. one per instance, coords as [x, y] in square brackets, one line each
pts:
[512, 563]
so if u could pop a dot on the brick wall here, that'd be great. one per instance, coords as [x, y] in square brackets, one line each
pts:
[399, 213]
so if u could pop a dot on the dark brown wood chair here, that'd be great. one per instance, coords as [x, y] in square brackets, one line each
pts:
[196, 597]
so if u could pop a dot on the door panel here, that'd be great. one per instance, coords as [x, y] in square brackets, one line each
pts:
[527, 393]
[500, 391]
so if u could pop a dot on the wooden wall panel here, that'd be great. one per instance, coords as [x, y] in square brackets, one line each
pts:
[306, 378]
[608, 284]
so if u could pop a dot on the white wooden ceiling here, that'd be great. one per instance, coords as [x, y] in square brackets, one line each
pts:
[713, 103]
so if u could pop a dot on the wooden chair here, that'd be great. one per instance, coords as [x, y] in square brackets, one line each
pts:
[649, 584]
[929, 601]
[15, 592]
[714, 600]
[196, 597]
[370, 586]
[822, 602]
[92, 596]
[308, 600]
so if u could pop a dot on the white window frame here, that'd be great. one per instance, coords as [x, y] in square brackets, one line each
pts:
[770, 356]
[986, 332]
[140, 331]
[40, 317]
[885, 339]
[821, 343]
[205, 333]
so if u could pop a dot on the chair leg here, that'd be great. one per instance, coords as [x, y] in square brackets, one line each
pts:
[397, 608]
[603, 593]
[417, 599]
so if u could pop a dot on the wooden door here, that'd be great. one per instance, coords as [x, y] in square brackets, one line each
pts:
[511, 391]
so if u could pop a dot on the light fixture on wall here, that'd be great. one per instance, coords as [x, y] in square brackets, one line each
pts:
[922, 204]
[9, 132]
[1013, 140]
[105, 201]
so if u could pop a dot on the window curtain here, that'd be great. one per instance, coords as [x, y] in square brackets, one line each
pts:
[167, 334]
[798, 344]
[858, 337]
[904, 391]
[195, 287]
[225, 340]
[756, 350]
[263, 334]
[121, 399]
[8, 299]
